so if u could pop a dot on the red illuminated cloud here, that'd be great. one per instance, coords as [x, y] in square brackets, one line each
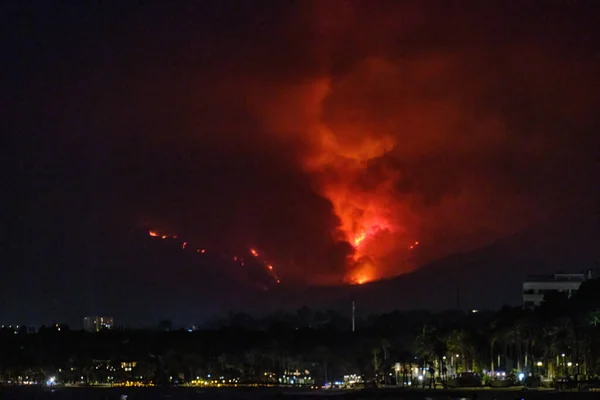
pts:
[347, 131]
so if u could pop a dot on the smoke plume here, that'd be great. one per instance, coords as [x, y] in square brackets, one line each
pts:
[348, 140]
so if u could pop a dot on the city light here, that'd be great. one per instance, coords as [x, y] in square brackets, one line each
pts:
[539, 364]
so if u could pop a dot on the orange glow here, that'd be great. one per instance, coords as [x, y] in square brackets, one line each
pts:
[365, 205]
[357, 133]
[160, 235]
[269, 267]
[359, 238]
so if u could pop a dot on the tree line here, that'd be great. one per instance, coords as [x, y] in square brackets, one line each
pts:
[559, 339]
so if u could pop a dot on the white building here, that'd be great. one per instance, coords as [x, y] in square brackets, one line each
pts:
[97, 324]
[535, 287]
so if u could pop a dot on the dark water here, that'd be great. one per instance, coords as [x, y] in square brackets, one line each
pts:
[8, 393]
[31, 393]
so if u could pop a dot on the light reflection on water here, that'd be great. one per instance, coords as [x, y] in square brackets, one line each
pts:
[157, 393]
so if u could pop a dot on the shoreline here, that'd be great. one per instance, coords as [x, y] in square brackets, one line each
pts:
[174, 393]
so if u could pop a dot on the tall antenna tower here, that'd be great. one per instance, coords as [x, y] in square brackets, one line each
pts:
[458, 297]
[353, 315]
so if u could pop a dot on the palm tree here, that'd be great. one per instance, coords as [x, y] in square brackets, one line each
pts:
[458, 342]
[431, 347]
[494, 337]
[322, 355]
[250, 357]
[429, 344]
[191, 362]
[593, 318]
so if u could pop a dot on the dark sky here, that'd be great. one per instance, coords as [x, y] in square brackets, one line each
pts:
[292, 126]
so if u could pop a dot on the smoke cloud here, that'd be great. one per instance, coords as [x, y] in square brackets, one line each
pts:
[349, 140]
[427, 123]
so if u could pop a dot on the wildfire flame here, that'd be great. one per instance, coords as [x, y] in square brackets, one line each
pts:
[270, 269]
[359, 238]
[351, 162]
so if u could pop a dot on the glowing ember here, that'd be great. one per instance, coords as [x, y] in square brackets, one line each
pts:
[160, 235]
[269, 267]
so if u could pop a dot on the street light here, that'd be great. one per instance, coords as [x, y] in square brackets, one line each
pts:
[569, 364]
[539, 364]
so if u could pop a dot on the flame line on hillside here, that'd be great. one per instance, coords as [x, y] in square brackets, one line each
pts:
[269, 268]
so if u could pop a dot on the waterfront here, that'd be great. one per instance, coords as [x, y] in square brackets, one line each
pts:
[180, 393]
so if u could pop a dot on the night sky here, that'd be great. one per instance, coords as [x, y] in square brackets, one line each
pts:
[349, 141]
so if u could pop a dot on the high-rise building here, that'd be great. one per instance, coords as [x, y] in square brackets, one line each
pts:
[536, 287]
[97, 324]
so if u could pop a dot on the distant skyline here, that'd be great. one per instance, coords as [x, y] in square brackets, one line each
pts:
[349, 141]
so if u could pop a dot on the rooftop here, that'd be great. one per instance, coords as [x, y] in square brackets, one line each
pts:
[561, 277]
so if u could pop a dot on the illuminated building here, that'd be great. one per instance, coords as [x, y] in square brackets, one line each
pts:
[537, 286]
[96, 324]
[16, 329]
[298, 378]
[129, 365]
